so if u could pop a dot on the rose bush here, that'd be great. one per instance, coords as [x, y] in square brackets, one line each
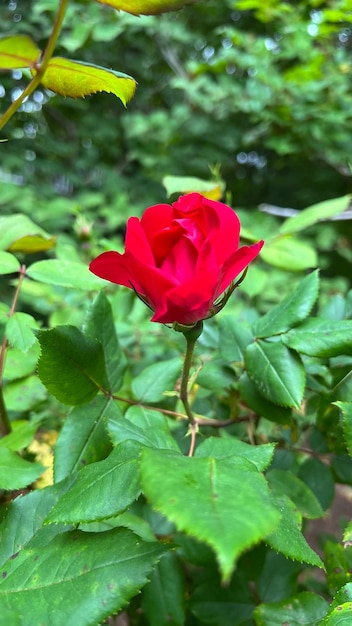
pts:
[180, 258]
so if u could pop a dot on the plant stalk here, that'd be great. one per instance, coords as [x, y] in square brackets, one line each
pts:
[191, 337]
[40, 67]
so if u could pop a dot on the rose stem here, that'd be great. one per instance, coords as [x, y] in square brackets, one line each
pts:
[191, 338]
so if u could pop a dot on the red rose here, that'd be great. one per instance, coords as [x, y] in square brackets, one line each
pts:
[179, 258]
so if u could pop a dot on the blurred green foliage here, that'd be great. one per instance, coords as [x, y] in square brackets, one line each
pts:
[260, 88]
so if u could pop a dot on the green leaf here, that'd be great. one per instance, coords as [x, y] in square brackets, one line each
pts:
[319, 479]
[289, 254]
[19, 364]
[146, 7]
[151, 384]
[260, 456]
[21, 435]
[347, 534]
[346, 409]
[77, 80]
[19, 331]
[83, 438]
[219, 605]
[8, 262]
[101, 489]
[189, 184]
[18, 51]
[339, 613]
[215, 375]
[19, 234]
[234, 337]
[292, 310]
[284, 482]
[201, 495]
[24, 394]
[84, 577]
[15, 532]
[338, 561]
[277, 372]
[277, 577]
[262, 407]
[15, 472]
[314, 214]
[71, 366]
[305, 608]
[135, 523]
[65, 274]
[163, 597]
[99, 324]
[287, 538]
[146, 426]
[321, 338]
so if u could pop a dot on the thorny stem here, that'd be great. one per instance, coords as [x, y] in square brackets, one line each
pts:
[5, 424]
[191, 337]
[40, 67]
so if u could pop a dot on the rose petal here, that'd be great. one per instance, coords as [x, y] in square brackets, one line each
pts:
[137, 241]
[155, 219]
[129, 271]
[236, 264]
[189, 302]
[181, 261]
[226, 237]
[110, 265]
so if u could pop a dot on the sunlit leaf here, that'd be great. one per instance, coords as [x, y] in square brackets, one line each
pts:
[19, 234]
[77, 79]
[146, 7]
[189, 184]
[17, 51]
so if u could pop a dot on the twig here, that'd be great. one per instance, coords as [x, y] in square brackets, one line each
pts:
[39, 68]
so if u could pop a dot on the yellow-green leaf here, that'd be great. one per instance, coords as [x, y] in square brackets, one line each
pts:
[146, 7]
[18, 51]
[77, 79]
[187, 184]
[19, 234]
[33, 243]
